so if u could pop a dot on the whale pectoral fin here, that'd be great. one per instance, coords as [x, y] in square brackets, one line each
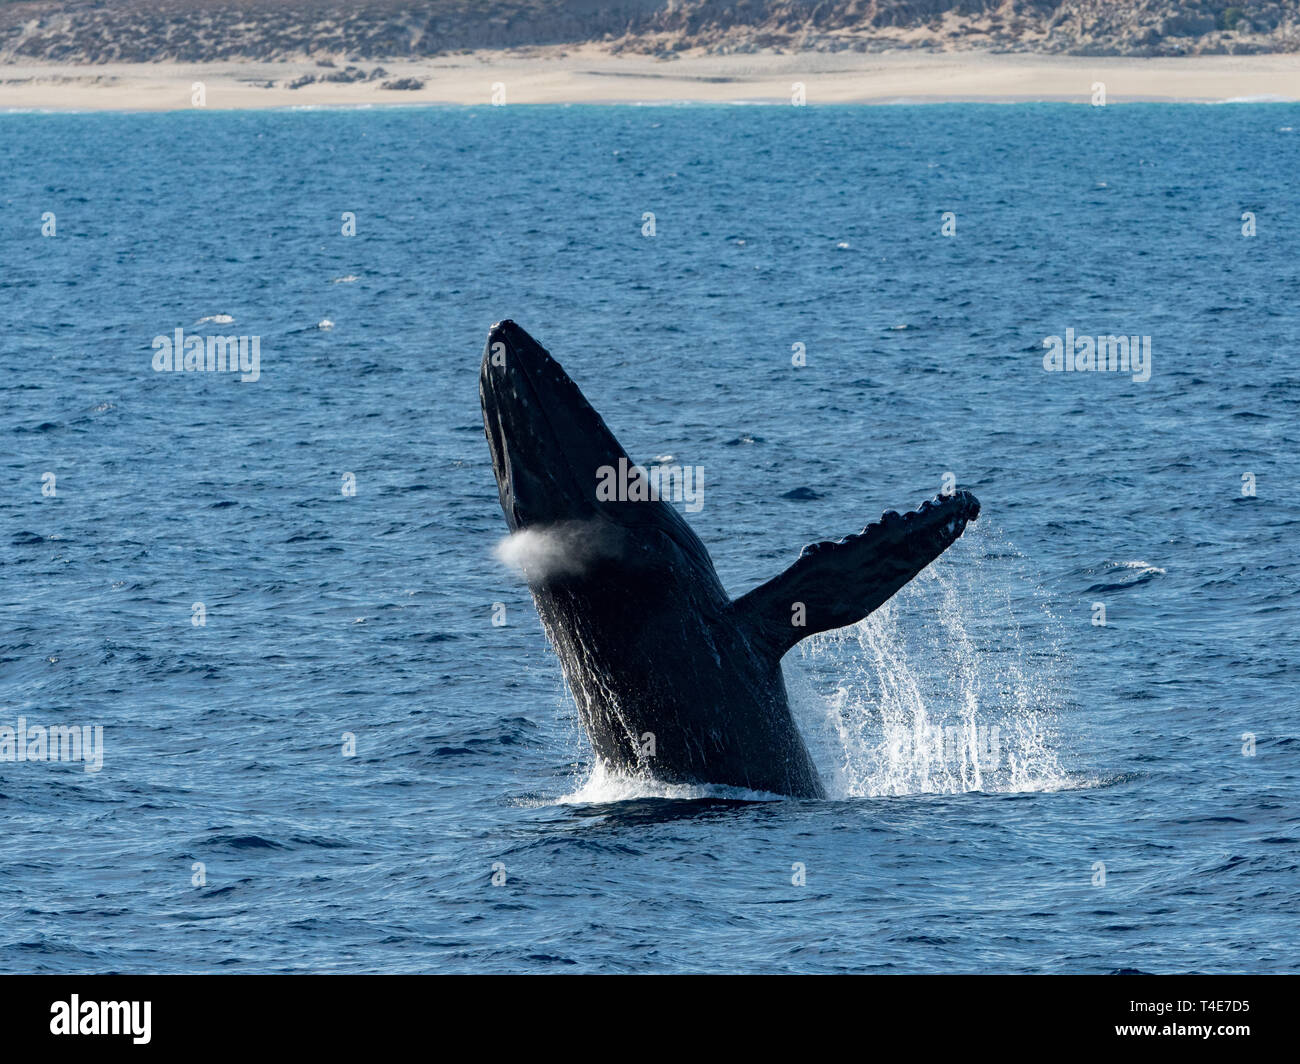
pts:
[837, 584]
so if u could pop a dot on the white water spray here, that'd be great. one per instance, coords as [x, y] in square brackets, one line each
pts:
[564, 549]
[934, 693]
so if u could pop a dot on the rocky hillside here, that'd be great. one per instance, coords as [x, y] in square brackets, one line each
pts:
[198, 30]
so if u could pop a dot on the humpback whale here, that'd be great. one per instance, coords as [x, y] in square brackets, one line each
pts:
[672, 678]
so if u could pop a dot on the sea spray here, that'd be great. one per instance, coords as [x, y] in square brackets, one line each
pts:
[935, 692]
[604, 784]
[564, 549]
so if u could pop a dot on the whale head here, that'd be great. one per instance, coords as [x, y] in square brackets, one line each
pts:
[546, 440]
[551, 453]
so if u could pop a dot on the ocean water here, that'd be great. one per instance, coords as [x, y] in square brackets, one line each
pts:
[1137, 806]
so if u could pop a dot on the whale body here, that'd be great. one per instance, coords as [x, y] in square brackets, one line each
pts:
[672, 678]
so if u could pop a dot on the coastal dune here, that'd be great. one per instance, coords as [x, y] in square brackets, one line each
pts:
[178, 54]
[100, 31]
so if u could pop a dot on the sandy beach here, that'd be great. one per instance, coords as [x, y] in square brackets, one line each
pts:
[589, 74]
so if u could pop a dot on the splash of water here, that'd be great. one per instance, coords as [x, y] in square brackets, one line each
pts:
[935, 693]
[606, 784]
[563, 549]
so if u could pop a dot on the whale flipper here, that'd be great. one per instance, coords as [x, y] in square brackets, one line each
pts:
[833, 585]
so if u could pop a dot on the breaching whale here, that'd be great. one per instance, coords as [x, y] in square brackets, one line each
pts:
[672, 678]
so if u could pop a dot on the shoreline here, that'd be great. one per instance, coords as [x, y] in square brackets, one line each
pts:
[587, 74]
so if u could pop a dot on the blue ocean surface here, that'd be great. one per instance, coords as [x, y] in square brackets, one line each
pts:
[320, 754]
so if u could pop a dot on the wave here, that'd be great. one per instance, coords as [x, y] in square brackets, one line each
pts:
[606, 785]
[1119, 576]
[1264, 97]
